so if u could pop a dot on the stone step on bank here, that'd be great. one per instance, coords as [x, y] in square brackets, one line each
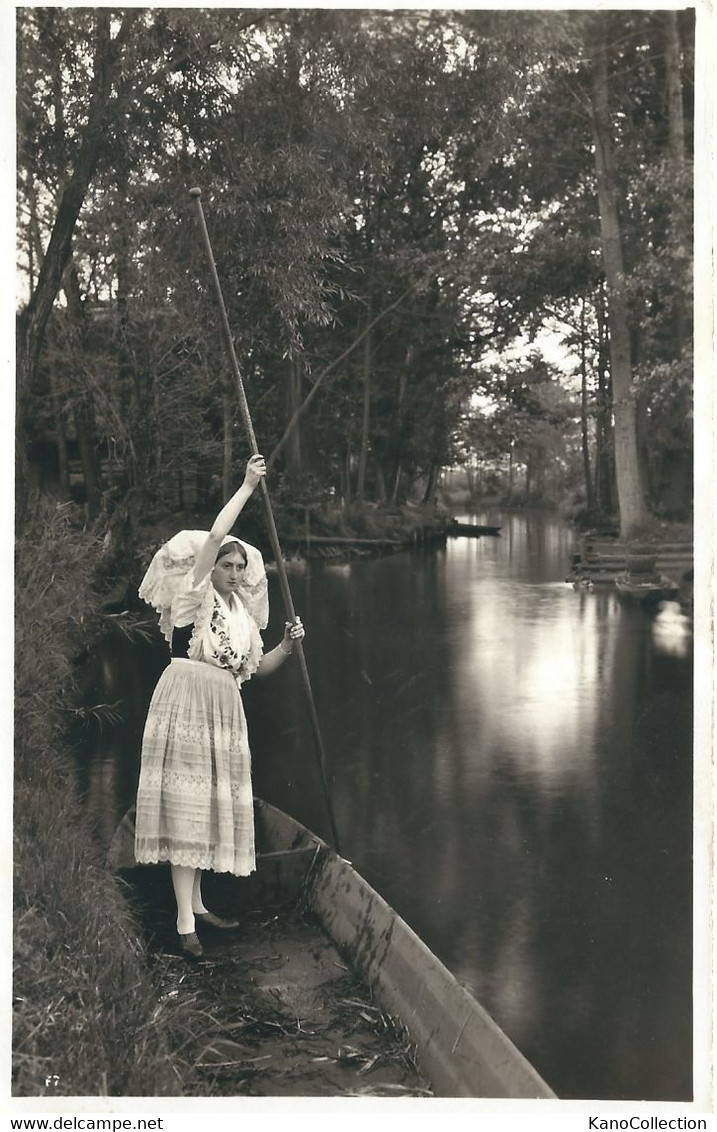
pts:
[602, 558]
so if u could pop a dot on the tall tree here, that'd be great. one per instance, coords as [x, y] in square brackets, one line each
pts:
[129, 57]
[633, 509]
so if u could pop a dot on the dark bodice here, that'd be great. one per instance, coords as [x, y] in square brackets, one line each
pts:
[180, 641]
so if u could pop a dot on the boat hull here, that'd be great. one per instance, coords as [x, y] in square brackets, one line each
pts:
[646, 593]
[475, 530]
[461, 1050]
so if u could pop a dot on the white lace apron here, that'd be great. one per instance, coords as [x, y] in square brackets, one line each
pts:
[194, 800]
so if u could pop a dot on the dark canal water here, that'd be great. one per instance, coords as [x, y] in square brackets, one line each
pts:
[511, 767]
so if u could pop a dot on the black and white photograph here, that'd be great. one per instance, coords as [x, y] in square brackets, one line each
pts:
[359, 563]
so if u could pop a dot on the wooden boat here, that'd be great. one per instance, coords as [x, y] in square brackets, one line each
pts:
[460, 1049]
[476, 530]
[648, 592]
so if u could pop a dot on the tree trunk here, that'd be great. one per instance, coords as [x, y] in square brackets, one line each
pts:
[642, 419]
[347, 474]
[86, 428]
[604, 461]
[397, 430]
[83, 409]
[642, 424]
[431, 483]
[673, 82]
[680, 235]
[633, 511]
[381, 483]
[293, 401]
[366, 422]
[63, 467]
[589, 492]
[34, 243]
[346, 477]
[395, 494]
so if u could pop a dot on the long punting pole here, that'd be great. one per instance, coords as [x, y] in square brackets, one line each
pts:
[196, 195]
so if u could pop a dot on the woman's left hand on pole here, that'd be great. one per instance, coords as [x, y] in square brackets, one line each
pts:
[293, 631]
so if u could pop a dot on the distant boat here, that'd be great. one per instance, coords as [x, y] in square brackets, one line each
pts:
[471, 529]
[460, 1050]
[648, 592]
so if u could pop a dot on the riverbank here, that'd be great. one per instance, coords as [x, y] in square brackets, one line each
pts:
[317, 531]
[656, 530]
[83, 994]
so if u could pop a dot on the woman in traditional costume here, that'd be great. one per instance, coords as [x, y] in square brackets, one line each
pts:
[194, 800]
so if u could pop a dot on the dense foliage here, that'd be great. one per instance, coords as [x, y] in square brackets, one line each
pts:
[396, 201]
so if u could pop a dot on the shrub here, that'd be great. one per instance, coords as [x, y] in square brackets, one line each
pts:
[54, 608]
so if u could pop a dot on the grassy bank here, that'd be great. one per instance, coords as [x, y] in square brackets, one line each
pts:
[87, 1018]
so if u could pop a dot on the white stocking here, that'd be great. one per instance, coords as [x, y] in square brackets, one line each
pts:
[197, 902]
[183, 882]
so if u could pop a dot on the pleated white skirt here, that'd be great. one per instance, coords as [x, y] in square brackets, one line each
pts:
[194, 800]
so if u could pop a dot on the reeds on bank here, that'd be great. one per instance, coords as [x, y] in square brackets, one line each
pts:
[85, 1019]
[84, 999]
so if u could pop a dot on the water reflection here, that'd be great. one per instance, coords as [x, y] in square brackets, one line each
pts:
[511, 767]
[672, 630]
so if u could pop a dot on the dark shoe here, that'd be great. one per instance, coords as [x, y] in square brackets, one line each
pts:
[190, 945]
[209, 920]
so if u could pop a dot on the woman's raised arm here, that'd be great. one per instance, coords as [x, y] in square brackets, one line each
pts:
[227, 517]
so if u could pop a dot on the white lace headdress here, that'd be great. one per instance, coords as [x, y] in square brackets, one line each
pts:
[175, 559]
